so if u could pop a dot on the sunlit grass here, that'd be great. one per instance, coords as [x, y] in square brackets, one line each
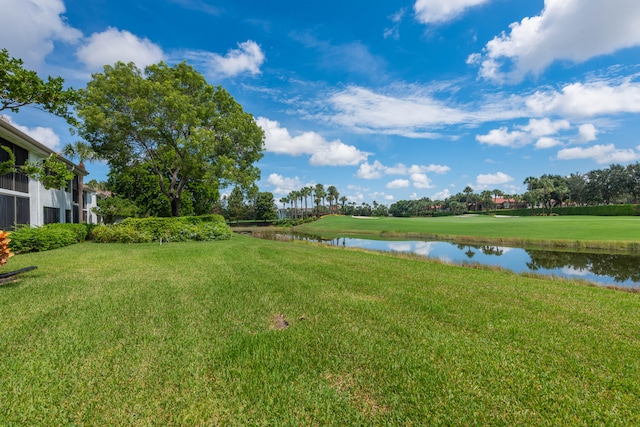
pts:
[187, 334]
[577, 232]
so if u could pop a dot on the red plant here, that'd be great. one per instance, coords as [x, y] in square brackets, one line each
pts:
[5, 251]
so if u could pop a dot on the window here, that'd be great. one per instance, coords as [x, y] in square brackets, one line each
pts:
[51, 215]
[15, 181]
[75, 185]
[67, 216]
[13, 210]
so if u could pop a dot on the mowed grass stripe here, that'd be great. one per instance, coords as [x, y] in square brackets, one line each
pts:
[184, 334]
[568, 231]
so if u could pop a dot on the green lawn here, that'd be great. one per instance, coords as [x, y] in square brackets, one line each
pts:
[188, 334]
[564, 231]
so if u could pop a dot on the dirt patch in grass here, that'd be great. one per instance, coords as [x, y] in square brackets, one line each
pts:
[345, 385]
[279, 322]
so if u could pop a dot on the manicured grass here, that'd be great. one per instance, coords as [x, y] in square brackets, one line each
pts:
[187, 334]
[557, 231]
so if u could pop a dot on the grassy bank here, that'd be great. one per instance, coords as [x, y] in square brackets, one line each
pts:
[575, 232]
[256, 332]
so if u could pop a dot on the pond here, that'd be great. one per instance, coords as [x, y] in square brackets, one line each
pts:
[606, 269]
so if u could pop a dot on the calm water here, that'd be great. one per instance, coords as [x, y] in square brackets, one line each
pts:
[607, 269]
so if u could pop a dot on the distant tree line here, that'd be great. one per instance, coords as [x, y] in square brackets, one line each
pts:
[612, 185]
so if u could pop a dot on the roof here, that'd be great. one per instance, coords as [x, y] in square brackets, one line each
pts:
[16, 136]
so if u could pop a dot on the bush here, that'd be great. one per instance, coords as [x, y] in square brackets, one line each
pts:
[119, 234]
[50, 236]
[599, 210]
[180, 229]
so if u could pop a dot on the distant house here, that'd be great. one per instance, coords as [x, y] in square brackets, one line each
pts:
[26, 201]
[505, 203]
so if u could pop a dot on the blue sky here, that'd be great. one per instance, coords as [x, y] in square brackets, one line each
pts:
[385, 100]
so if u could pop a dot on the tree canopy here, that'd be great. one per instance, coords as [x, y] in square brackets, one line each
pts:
[20, 87]
[170, 118]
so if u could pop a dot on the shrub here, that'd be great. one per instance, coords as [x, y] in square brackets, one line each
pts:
[119, 234]
[599, 210]
[50, 236]
[180, 229]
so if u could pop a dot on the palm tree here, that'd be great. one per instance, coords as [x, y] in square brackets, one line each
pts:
[293, 198]
[81, 151]
[343, 200]
[531, 182]
[485, 196]
[468, 191]
[496, 193]
[306, 192]
[300, 197]
[284, 200]
[333, 195]
[319, 195]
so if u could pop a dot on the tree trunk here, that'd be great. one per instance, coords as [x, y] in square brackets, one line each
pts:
[175, 206]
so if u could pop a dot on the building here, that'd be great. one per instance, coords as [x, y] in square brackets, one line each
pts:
[26, 201]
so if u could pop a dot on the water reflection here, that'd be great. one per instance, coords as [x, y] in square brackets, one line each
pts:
[621, 270]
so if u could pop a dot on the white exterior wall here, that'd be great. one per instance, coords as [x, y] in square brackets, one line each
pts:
[39, 197]
[91, 201]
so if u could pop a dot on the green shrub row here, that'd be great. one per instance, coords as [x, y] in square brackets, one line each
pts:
[600, 210]
[180, 229]
[288, 222]
[50, 236]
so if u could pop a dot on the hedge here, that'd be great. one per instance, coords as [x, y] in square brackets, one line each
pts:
[51, 236]
[177, 229]
[600, 210]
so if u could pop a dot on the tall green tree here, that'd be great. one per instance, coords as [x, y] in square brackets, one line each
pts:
[265, 206]
[318, 195]
[332, 196]
[171, 118]
[236, 207]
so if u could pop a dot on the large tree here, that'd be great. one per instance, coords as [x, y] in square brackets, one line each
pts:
[172, 119]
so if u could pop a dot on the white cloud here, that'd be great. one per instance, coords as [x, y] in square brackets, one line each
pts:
[588, 99]
[493, 179]
[323, 153]
[538, 130]
[547, 142]
[377, 170]
[284, 185]
[398, 183]
[394, 30]
[573, 30]
[30, 29]
[545, 127]
[374, 171]
[501, 137]
[246, 59]
[441, 195]
[420, 180]
[113, 45]
[413, 196]
[601, 154]
[45, 136]
[588, 132]
[439, 11]
[408, 115]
